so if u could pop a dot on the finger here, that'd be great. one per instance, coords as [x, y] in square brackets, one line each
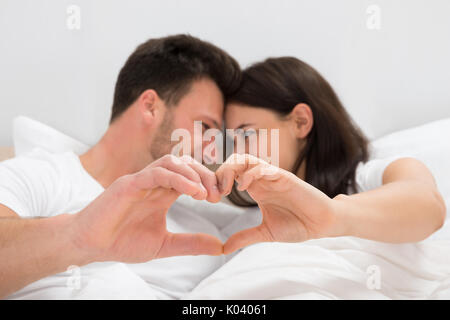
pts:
[261, 171]
[178, 165]
[233, 167]
[228, 172]
[162, 177]
[245, 238]
[187, 244]
[181, 184]
[208, 178]
[227, 177]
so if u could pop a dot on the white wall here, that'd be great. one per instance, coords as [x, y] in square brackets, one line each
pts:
[392, 78]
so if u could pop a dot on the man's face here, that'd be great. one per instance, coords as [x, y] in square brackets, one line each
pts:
[204, 102]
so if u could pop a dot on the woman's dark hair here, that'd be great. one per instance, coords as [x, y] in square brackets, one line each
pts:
[334, 146]
[169, 65]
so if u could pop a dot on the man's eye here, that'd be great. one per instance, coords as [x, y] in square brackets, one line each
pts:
[205, 126]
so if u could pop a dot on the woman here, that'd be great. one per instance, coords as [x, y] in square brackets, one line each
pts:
[325, 186]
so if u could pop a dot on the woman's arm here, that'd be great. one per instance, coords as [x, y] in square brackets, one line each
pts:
[407, 208]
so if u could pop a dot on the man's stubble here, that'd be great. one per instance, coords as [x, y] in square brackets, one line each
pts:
[162, 144]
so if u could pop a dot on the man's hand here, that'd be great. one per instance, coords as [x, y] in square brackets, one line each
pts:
[127, 222]
[292, 209]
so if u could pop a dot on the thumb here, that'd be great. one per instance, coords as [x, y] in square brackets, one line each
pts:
[190, 244]
[247, 237]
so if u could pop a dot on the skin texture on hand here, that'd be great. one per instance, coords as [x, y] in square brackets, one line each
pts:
[292, 210]
[127, 222]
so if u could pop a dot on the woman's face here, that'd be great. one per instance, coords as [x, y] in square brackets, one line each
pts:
[252, 119]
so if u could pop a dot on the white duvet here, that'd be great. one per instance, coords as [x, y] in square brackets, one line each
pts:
[340, 268]
[343, 268]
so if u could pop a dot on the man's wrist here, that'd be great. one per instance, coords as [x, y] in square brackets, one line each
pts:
[68, 234]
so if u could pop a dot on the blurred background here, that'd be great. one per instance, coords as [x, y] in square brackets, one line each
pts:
[388, 60]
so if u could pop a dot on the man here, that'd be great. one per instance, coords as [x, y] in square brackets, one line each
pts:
[110, 203]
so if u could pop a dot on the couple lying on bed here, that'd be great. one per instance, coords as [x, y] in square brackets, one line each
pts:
[116, 202]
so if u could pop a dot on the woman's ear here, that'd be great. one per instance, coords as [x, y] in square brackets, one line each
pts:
[303, 120]
[147, 105]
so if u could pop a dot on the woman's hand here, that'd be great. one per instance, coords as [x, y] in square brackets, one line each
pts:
[292, 209]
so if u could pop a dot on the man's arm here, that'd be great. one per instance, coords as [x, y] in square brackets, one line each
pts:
[126, 223]
[32, 249]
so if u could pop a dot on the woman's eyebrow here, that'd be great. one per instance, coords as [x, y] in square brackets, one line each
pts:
[244, 125]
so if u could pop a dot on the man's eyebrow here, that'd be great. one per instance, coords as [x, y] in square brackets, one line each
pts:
[215, 122]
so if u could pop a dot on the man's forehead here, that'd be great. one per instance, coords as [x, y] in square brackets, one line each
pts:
[209, 115]
[203, 101]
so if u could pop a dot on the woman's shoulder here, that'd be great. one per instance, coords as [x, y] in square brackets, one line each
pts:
[369, 174]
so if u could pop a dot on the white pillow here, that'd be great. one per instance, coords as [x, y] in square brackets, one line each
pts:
[29, 134]
[428, 143]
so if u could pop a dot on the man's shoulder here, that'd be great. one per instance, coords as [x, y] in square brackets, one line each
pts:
[35, 183]
[37, 162]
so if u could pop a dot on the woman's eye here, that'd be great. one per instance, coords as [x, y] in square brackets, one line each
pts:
[205, 126]
[249, 133]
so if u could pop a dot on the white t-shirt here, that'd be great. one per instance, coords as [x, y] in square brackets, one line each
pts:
[42, 184]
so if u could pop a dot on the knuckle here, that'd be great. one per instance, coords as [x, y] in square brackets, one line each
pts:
[176, 160]
[232, 158]
[210, 176]
[157, 172]
[252, 159]
[240, 159]
[168, 158]
[160, 176]
[188, 159]
[125, 180]
[123, 184]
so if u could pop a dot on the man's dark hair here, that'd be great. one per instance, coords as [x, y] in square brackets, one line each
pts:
[169, 65]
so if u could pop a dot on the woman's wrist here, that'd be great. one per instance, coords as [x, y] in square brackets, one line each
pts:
[341, 212]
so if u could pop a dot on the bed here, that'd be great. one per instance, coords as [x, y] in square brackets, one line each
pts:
[330, 268]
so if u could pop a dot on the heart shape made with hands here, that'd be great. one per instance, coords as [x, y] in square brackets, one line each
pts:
[127, 222]
[292, 210]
